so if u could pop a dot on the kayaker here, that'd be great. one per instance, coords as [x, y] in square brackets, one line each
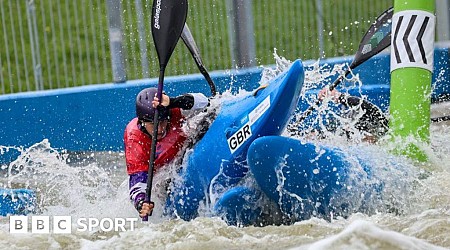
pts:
[370, 120]
[138, 139]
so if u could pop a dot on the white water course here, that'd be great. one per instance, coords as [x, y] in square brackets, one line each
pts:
[413, 212]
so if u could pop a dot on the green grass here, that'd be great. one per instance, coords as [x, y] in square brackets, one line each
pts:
[75, 50]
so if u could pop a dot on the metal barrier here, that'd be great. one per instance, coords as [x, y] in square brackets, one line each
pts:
[51, 44]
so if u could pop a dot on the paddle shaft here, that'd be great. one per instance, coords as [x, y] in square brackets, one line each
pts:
[168, 19]
[362, 54]
[189, 41]
[154, 142]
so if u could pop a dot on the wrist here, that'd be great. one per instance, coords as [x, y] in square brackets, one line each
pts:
[139, 205]
[139, 201]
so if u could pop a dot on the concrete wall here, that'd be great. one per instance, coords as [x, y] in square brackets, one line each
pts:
[93, 118]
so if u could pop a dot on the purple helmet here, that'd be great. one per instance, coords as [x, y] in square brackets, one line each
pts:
[144, 107]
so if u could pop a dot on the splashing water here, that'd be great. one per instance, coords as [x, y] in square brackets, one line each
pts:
[413, 212]
[63, 187]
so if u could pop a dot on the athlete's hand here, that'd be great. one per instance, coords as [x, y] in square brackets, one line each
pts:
[164, 102]
[146, 209]
[326, 93]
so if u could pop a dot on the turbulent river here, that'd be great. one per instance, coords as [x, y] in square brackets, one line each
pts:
[94, 185]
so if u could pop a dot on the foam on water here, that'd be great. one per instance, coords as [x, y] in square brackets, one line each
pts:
[68, 184]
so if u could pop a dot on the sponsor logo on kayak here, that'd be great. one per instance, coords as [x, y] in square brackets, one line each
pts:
[259, 110]
[63, 224]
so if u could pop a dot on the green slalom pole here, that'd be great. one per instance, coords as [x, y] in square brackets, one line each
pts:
[412, 50]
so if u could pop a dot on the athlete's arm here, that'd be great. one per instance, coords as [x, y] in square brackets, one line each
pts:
[372, 116]
[189, 101]
[137, 185]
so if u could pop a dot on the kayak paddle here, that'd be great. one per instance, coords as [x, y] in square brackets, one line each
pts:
[188, 39]
[168, 19]
[376, 39]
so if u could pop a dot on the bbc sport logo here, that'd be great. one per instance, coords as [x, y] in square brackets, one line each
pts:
[63, 224]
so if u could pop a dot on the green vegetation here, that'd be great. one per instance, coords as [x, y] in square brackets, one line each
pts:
[71, 42]
[67, 40]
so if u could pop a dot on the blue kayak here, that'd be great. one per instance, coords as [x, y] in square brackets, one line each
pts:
[218, 160]
[307, 180]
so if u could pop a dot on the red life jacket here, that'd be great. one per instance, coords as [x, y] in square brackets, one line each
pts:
[138, 144]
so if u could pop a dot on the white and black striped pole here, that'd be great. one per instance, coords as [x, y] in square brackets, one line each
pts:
[413, 28]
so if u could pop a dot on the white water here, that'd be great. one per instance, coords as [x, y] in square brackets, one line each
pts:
[94, 185]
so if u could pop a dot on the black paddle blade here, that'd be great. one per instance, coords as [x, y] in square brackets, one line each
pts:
[376, 39]
[168, 18]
